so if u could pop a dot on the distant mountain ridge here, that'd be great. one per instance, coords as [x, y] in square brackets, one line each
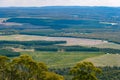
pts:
[99, 13]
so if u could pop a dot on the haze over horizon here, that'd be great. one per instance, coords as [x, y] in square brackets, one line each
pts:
[41, 3]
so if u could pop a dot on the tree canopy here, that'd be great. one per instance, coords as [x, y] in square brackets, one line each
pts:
[25, 68]
[85, 71]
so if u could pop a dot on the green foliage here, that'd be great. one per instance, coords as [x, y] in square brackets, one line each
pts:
[108, 50]
[67, 48]
[49, 46]
[59, 23]
[84, 71]
[3, 61]
[51, 76]
[32, 43]
[25, 68]
[3, 66]
[8, 53]
[108, 73]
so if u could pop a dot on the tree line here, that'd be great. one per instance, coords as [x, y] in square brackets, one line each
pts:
[51, 46]
[9, 53]
[32, 43]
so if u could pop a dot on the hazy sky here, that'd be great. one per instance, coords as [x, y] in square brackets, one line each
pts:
[5, 3]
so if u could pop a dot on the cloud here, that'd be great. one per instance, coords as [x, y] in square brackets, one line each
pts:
[59, 3]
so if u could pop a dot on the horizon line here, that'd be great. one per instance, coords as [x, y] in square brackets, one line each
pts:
[54, 6]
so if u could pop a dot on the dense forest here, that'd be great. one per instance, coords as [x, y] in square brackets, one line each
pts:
[108, 73]
[59, 23]
[32, 43]
[9, 53]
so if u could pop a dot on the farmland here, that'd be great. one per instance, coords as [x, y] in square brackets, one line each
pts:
[63, 36]
[93, 29]
[61, 59]
[106, 60]
[70, 41]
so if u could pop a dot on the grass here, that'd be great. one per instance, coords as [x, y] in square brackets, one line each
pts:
[108, 45]
[106, 60]
[61, 59]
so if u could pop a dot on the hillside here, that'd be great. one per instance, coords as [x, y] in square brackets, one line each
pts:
[106, 60]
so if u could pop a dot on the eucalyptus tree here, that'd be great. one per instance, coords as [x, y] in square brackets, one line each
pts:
[3, 67]
[85, 71]
[25, 68]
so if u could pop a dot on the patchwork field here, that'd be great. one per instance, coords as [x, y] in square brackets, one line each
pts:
[70, 41]
[61, 59]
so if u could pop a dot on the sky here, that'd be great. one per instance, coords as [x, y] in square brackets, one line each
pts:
[39, 3]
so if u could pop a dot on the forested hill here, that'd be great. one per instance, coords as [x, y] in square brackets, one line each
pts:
[99, 13]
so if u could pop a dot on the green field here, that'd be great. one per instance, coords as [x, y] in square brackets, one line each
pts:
[61, 59]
